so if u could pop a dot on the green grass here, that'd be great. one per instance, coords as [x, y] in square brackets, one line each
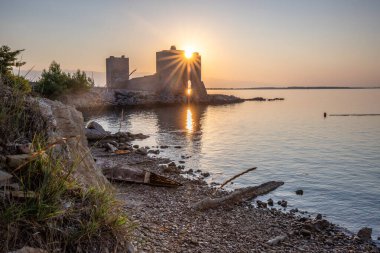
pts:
[61, 215]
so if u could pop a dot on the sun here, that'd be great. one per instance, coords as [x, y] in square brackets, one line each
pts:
[189, 53]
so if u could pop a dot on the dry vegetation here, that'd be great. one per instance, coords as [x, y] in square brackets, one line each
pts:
[54, 212]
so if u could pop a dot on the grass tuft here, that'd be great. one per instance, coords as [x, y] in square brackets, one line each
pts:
[61, 215]
[55, 213]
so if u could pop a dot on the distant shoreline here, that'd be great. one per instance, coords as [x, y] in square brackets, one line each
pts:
[298, 88]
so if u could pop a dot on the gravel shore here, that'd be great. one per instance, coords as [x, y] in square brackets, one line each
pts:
[166, 221]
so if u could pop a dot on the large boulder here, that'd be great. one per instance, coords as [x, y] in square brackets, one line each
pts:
[65, 127]
[94, 131]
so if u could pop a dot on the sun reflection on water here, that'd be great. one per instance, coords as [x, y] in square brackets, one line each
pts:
[189, 121]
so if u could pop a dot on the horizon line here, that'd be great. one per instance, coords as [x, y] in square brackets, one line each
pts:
[295, 88]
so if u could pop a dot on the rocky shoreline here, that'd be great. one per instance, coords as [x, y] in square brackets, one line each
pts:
[101, 97]
[167, 221]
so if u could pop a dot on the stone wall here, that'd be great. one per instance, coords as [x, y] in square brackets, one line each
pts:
[145, 83]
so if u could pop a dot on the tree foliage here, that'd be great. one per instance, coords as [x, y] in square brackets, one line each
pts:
[8, 60]
[54, 81]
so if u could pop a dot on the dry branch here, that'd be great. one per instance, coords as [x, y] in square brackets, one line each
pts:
[238, 196]
[236, 176]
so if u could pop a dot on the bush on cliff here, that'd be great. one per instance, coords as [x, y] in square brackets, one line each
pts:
[8, 60]
[55, 82]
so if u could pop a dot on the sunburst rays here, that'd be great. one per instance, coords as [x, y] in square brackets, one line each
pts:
[182, 68]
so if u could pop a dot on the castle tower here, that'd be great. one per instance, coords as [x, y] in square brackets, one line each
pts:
[174, 70]
[117, 71]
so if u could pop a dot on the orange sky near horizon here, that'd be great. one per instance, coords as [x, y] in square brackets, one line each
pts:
[242, 43]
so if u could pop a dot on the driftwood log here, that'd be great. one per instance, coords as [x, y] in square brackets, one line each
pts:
[134, 175]
[238, 196]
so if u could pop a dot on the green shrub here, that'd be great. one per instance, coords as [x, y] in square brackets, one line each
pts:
[17, 83]
[79, 81]
[55, 82]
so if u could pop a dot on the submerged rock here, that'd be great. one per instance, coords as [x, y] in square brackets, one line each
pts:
[257, 99]
[205, 174]
[299, 192]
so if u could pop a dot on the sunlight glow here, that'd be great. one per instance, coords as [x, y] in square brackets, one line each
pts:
[189, 88]
[189, 51]
[189, 121]
[188, 54]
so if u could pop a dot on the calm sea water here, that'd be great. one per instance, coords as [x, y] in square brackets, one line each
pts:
[336, 161]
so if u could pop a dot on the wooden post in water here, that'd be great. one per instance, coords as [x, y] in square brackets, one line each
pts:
[324, 115]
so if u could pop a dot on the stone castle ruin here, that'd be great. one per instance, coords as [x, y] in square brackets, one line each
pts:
[177, 76]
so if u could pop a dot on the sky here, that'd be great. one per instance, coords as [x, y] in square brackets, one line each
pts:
[243, 43]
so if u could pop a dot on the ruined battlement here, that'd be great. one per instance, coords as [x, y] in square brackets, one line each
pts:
[174, 70]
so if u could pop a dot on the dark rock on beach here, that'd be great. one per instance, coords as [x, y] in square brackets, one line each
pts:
[365, 233]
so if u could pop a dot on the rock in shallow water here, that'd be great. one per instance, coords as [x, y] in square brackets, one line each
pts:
[282, 203]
